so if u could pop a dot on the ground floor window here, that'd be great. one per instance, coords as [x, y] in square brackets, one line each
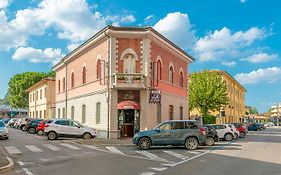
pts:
[83, 113]
[171, 112]
[181, 113]
[72, 112]
[58, 113]
[63, 113]
[98, 113]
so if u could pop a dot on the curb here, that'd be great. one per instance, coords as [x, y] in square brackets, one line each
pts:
[9, 166]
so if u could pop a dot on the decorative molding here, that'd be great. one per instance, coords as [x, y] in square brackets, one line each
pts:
[129, 51]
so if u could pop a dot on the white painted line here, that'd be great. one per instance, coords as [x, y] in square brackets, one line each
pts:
[114, 150]
[94, 147]
[151, 156]
[194, 152]
[27, 171]
[33, 148]
[12, 150]
[21, 163]
[177, 155]
[147, 173]
[157, 169]
[52, 147]
[70, 146]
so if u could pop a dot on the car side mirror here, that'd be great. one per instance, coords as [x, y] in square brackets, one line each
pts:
[157, 129]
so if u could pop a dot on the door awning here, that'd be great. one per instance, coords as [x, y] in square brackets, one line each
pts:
[128, 105]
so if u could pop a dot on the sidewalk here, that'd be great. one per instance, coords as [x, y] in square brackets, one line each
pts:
[100, 141]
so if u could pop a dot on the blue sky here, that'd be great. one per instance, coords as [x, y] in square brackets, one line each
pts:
[240, 36]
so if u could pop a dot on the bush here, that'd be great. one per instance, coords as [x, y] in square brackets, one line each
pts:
[209, 119]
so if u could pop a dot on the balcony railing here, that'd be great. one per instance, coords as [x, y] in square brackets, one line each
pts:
[121, 80]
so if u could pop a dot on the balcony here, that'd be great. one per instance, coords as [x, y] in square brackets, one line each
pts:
[129, 81]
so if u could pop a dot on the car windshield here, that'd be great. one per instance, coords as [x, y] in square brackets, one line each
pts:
[78, 123]
[2, 124]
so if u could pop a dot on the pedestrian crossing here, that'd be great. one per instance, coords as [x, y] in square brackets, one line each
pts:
[71, 149]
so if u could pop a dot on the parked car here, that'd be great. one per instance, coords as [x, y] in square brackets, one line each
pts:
[41, 126]
[269, 124]
[211, 135]
[186, 133]
[17, 123]
[4, 134]
[261, 126]
[23, 123]
[32, 125]
[11, 122]
[68, 128]
[236, 132]
[253, 127]
[224, 131]
[241, 129]
[6, 120]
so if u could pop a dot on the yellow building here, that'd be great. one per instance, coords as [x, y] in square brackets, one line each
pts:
[235, 110]
[42, 99]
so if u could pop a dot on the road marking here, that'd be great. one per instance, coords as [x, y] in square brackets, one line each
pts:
[52, 147]
[12, 150]
[70, 146]
[21, 163]
[93, 147]
[157, 169]
[176, 155]
[151, 156]
[147, 173]
[194, 152]
[33, 148]
[27, 171]
[114, 150]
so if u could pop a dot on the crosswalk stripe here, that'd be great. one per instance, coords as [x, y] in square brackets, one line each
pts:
[52, 147]
[147, 173]
[33, 148]
[151, 156]
[194, 152]
[12, 150]
[114, 150]
[157, 169]
[70, 146]
[177, 155]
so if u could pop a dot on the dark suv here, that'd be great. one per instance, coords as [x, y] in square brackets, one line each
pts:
[211, 135]
[186, 133]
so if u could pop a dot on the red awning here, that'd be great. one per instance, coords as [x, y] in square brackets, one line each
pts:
[128, 105]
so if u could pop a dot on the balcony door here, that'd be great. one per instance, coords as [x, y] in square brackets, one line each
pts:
[129, 64]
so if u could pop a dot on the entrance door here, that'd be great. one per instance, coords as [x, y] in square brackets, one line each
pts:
[128, 122]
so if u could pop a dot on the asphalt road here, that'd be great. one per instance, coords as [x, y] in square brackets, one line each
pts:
[258, 154]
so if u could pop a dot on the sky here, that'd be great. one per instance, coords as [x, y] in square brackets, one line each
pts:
[240, 36]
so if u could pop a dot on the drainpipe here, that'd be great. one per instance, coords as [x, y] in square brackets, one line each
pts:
[66, 89]
[108, 81]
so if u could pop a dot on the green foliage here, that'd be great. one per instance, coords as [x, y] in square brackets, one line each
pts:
[253, 111]
[207, 92]
[17, 95]
[209, 119]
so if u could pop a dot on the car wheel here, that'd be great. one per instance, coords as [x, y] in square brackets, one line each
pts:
[228, 137]
[52, 135]
[242, 134]
[24, 128]
[144, 143]
[40, 132]
[235, 136]
[31, 130]
[87, 135]
[191, 143]
[7, 138]
[210, 141]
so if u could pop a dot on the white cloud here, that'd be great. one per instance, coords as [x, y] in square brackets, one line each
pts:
[37, 55]
[260, 58]
[243, 1]
[149, 17]
[4, 4]
[224, 42]
[72, 46]
[177, 27]
[128, 19]
[74, 20]
[229, 63]
[268, 75]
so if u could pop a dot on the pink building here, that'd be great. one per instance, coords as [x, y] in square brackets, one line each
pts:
[122, 80]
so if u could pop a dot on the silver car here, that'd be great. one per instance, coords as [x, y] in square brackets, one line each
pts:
[4, 134]
[68, 128]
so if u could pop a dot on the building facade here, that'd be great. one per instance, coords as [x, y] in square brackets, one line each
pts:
[235, 110]
[123, 80]
[42, 99]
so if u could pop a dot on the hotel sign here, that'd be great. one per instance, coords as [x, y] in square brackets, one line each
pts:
[155, 96]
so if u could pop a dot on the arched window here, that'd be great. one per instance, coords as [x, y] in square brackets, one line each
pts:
[181, 79]
[159, 70]
[63, 84]
[98, 69]
[129, 64]
[84, 75]
[72, 80]
[171, 75]
[59, 86]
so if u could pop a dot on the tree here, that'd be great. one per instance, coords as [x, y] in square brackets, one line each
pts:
[207, 92]
[17, 95]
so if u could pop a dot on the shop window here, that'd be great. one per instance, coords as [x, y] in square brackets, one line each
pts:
[181, 79]
[98, 112]
[171, 112]
[83, 113]
[171, 75]
[72, 80]
[84, 75]
[72, 112]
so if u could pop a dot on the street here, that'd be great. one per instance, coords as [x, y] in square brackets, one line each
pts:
[258, 154]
